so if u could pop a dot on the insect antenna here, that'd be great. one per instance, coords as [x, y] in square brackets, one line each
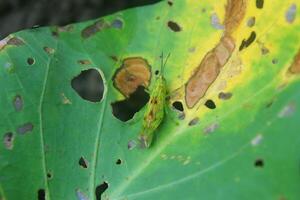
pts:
[163, 64]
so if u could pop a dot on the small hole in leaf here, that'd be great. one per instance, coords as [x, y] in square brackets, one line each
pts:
[247, 42]
[30, 61]
[156, 72]
[178, 106]
[119, 162]
[8, 140]
[259, 4]
[124, 110]
[170, 3]
[259, 163]
[100, 189]
[89, 85]
[25, 128]
[49, 175]
[41, 194]
[225, 95]
[83, 162]
[18, 103]
[174, 26]
[210, 104]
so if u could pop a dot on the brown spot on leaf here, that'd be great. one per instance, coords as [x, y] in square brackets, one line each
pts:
[15, 41]
[94, 28]
[224, 95]
[134, 72]
[25, 128]
[174, 26]
[235, 12]
[170, 3]
[208, 71]
[49, 50]
[295, 67]
[84, 62]
[194, 121]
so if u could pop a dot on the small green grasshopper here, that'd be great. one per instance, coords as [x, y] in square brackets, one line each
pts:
[155, 108]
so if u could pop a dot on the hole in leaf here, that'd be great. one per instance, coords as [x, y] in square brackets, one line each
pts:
[18, 103]
[210, 104]
[100, 189]
[170, 3]
[89, 85]
[49, 175]
[259, 4]
[23, 129]
[83, 162]
[30, 61]
[119, 162]
[156, 72]
[41, 194]
[246, 42]
[124, 110]
[8, 140]
[117, 23]
[259, 163]
[174, 26]
[178, 106]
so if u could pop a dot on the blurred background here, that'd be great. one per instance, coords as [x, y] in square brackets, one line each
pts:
[16, 15]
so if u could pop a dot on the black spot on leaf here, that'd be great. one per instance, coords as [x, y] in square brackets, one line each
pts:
[170, 3]
[178, 106]
[41, 194]
[246, 42]
[100, 189]
[210, 104]
[8, 140]
[89, 85]
[18, 103]
[124, 110]
[25, 128]
[259, 4]
[83, 162]
[49, 175]
[174, 26]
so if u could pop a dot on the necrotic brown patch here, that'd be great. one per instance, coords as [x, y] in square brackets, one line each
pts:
[208, 71]
[295, 67]
[174, 26]
[15, 41]
[94, 28]
[235, 12]
[25, 128]
[133, 73]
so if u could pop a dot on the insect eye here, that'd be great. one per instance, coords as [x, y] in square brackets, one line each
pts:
[156, 72]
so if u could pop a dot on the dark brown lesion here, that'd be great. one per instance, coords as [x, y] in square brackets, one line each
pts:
[295, 67]
[133, 73]
[11, 41]
[94, 28]
[212, 63]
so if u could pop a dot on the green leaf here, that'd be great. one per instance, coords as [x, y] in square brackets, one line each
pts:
[234, 66]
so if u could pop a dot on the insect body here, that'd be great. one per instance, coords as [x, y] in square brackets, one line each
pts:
[154, 112]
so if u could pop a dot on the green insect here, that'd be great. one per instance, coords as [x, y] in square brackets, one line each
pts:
[155, 109]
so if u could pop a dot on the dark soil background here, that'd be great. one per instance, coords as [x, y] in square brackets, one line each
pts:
[16, 15]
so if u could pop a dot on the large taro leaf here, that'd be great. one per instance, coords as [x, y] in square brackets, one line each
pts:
[237, 138]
